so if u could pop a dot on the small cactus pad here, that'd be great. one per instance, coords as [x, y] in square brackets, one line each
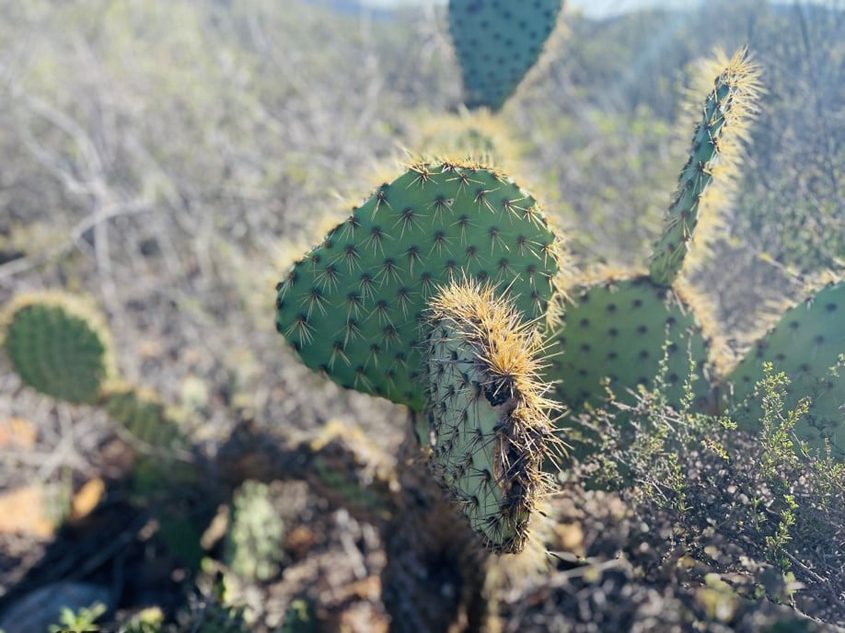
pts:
[256, 531]
[142, 414]
[716, 142]
[56, 346]
[807, 345]
[478, 134]
[618, 330]
[497, 42]
[489, 428]
[354, 306]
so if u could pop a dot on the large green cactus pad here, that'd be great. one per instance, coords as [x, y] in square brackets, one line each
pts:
[56, 349]
[489, 432]
[618, 330]
[353, 307]
[497, 42]
[805, 344]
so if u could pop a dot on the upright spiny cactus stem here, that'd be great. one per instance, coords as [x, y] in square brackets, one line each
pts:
[716, 144]
[497, 42]
[352, 308]
[488, 416]
[57, 346]
[807, 344]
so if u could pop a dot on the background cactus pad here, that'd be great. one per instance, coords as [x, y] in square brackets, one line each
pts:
[56, 346]
[497, 42]
[807, 344]
[621, 330]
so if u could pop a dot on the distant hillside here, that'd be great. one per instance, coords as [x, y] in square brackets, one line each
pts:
[353, 7]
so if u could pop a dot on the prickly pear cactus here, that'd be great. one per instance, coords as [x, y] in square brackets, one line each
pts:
[622, 326]
[807, 345]
[497, 42]
[57, 346]
[352, 308]
[254, 540]
[489, 428]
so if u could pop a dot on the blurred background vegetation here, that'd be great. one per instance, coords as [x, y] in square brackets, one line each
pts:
[171, 158]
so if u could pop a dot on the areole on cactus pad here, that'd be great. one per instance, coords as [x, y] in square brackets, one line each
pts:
[618, 332]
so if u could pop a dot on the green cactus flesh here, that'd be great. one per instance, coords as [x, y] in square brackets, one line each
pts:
[353, 307]
[807, 345]
[717, 136]
[497, 42]
[56, 352]
[618, 330]
[142, 416]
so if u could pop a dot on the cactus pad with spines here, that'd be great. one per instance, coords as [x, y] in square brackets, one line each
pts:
[807, 345]
[489, 428]
[497, 42]
[716, 145]
[352, 308]
[618, 330]
[57, 346]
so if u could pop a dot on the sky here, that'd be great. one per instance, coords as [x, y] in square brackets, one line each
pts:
[593, 8]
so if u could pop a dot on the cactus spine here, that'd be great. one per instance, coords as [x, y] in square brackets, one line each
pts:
[621, 330]
[716, 144]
